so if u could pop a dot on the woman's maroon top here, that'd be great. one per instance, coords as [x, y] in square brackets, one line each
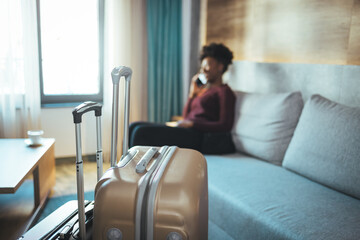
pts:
[213, 111]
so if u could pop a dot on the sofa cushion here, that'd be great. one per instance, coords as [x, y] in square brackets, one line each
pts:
[326, 145]
[265, 123]
[253, 199]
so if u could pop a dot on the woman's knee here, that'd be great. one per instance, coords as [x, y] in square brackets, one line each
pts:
[142, 134]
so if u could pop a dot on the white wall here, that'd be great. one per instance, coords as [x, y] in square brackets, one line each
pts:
[58, 123]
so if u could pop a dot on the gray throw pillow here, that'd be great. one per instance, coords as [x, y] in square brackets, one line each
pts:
[265, 123]
[326, 145]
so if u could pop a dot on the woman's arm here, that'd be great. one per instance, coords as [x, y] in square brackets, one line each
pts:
[193, 92]
[187, 108]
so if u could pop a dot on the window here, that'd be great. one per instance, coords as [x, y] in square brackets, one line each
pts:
[71, 50]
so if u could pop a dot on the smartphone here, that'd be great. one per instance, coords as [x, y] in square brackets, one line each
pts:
[201, 80]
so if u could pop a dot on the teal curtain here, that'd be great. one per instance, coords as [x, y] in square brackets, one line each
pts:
[164, 59]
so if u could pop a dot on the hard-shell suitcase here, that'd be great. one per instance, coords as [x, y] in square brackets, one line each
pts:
[153, 192]
[168, 200]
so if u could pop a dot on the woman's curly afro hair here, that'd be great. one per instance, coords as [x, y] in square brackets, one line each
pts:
[218, 51]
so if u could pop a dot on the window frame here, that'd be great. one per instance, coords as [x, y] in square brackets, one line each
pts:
[73, 99]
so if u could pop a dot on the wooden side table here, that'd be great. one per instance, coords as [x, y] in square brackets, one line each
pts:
[18, 161]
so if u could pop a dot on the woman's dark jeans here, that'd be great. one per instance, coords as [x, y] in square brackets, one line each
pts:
[152, 134]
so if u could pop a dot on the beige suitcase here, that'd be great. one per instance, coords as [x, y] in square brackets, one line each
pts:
[152, 192]
[166, 201]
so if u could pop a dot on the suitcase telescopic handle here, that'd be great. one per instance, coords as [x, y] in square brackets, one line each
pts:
[77, 114]
[84, 108]
[116, 74]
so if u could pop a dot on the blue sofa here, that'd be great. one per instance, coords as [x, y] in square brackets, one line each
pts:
[296, 173]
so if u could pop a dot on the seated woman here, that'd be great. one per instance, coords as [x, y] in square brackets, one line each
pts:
[208, 115]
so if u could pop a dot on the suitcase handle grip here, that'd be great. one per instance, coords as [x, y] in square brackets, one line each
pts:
[86, 107]
[118, 72]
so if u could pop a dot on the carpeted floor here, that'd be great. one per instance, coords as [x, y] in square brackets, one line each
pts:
[56, 202]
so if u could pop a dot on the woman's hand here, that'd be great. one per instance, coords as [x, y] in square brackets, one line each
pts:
[185, 123]
[194, 88]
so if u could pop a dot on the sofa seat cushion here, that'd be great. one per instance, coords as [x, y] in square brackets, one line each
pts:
[265, 123]
[252, 199]
[326, 145]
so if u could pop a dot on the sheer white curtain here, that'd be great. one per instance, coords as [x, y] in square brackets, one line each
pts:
[125, 45]
[19, 71]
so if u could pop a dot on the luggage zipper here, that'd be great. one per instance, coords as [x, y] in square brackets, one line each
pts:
[152, 189]
[140, 214]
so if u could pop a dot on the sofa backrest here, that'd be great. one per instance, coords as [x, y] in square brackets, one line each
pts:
[339, 83]
[265, 123]
[326, 145]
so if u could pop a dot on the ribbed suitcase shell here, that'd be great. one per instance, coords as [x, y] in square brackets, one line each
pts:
[181, 200]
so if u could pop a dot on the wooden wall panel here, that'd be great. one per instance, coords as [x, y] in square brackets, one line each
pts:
[226, 23]
[354, 40]
[301, 31]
